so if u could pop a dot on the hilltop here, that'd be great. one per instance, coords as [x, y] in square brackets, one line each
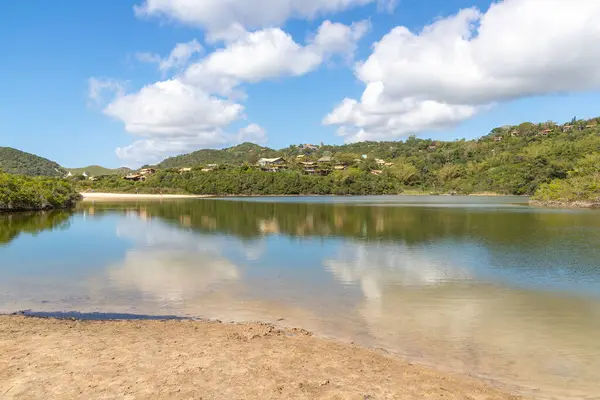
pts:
[19, 162]
[242, 153]
[97, 170]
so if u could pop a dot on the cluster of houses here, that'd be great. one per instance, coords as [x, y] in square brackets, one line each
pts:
[323, 166]
[548, 130]
[141, 175]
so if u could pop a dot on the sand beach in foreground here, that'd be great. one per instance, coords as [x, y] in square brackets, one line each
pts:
[42, 358]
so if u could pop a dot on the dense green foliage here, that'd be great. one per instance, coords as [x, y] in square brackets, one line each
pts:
[21, 193]
[247, 180]
[13, 224]
[18, 162]
[510, 160]
[97, 170]
[582, 184]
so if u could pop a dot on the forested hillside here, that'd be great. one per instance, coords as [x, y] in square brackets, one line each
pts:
[509, 160]
[97, 170]
[19, 162]
[245, 152]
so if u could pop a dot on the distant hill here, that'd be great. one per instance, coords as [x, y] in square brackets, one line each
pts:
[245, 152]
[19, 162]
[97, 170]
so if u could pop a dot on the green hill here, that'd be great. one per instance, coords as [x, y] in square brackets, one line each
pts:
[19, 162]
[245, 152]
[508, 160]
[97, 170]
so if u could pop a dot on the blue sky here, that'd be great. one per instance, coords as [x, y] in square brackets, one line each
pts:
[426, 83]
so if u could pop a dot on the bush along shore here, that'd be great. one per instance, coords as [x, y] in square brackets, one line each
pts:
[21, 193]
[581, 189]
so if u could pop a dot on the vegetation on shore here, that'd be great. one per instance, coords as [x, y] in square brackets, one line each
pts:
[515, 160]
[21, 193]
[527, 159]
[247, 180]
[580, 189]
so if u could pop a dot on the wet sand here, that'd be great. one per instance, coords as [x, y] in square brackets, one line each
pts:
[69, 359]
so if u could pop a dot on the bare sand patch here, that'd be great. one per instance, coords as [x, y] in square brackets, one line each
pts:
[67, 359]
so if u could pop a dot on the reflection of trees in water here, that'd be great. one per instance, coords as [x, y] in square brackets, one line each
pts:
[13, 224]
[410, 225]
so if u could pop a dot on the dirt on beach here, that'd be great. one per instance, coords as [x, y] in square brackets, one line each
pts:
[71, 359]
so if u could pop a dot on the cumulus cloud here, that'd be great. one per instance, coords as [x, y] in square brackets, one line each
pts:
[194, 108]
[172, 107]
[272, 53]
[224, 18]
[459, 65]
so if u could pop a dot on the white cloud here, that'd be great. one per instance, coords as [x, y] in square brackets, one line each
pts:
[272, 53]
[100, 88]
[222, 18]
[461, 64]
[172, 107]
[190, 111]
[179, 56]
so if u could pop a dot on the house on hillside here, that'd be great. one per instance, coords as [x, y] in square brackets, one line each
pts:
[147, 171]
[135, 177]
[185, 169]
[376, 172]
[498, 138]
[545, 132]
[272, 164]
[515, 133]
[567, 128]
[325, 159]
[339, 167]
[269, 162]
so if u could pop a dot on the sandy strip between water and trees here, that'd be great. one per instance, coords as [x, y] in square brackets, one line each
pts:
[136, 196]
[44, 358]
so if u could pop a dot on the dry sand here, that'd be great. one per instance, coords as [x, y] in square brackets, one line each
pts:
[66, 359]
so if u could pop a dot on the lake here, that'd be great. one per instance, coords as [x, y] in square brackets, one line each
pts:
[486, 286]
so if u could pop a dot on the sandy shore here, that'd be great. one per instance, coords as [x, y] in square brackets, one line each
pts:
[123, 196]
[65, 359]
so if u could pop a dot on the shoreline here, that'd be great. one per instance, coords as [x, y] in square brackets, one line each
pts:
[566, 204]
[67, 358]
[141, 196]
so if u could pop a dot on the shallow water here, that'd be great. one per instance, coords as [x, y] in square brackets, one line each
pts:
[483, 286]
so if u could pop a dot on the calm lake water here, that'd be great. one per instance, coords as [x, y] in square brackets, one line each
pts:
[483, 286]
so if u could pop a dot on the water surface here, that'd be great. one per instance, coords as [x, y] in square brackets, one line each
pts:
[483, 286]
